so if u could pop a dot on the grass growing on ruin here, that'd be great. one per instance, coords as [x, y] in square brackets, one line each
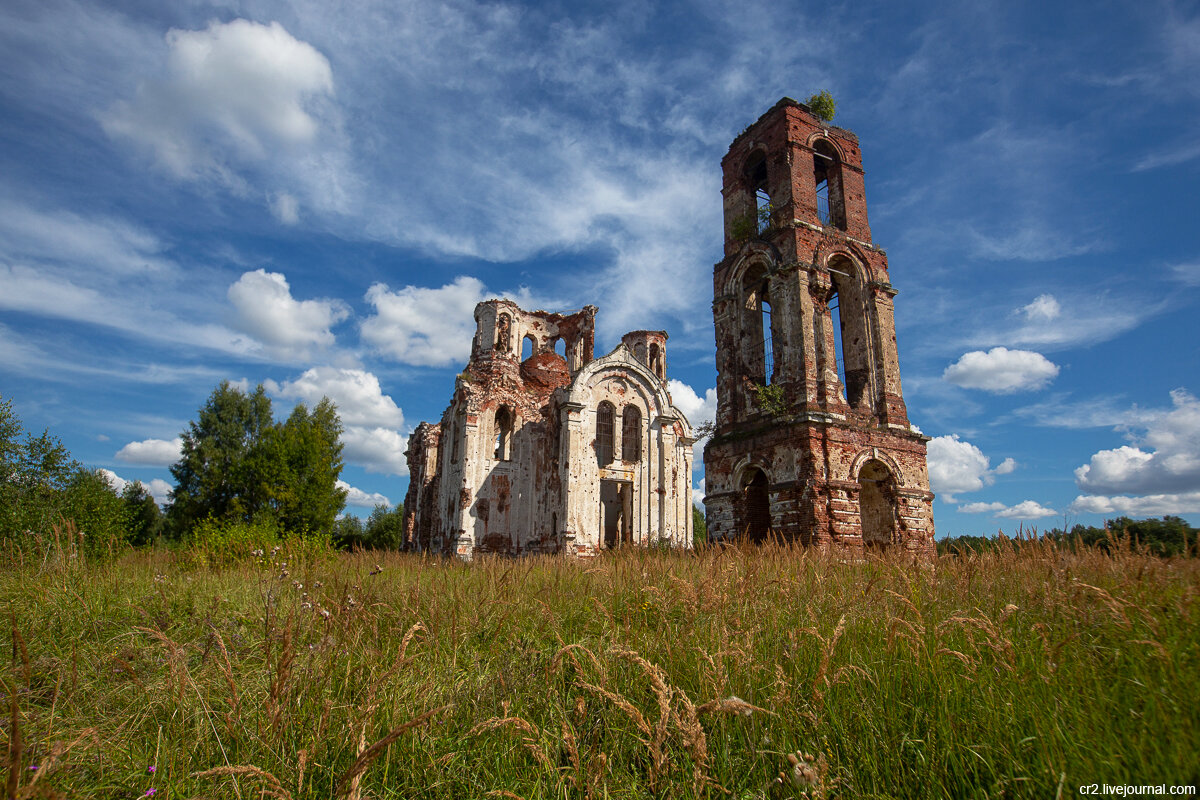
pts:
[1023, 673]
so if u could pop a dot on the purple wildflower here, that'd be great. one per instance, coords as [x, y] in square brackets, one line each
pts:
[150, 792]
[150, 769]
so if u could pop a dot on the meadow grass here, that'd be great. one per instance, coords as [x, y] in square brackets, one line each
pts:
[756, 673]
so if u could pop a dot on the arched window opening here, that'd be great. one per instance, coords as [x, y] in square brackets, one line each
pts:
[768, 348]
[560, 347]
[756, 506]
[656, 365]
[851, 332]
[756, 178]
[835, 318]
[504, 333]
[503, 441]
[528, 347]
[631, 434]
[604, 433]
[757, 353]
[639, 352]
[877, 505]
[827, 176]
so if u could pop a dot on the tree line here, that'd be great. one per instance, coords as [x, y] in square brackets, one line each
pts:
[238, 468]
[1166, 537]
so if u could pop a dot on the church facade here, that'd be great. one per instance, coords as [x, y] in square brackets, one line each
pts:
[546, 449]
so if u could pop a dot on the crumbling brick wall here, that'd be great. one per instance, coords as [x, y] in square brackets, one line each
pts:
[818, 421]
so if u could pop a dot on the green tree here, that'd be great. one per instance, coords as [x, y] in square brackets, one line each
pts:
[238, 465]
[348, 532]
[822, 105]
[385, 528]
[299, 462]
[144, 515]
[34, 471]
[99, 513]
[699, 527]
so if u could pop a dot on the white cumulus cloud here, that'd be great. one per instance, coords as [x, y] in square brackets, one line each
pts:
[425, 327]
[235, 90]
[981, 508]
[376, 449]
[159, 489]
[286, 327]
[1027, 509]
[357, 394]
[698, 410]
[1163, 463]
[1150, 505]
[1043, 308]
[360, 499]
[956, 466]
[151, 452]
[1001, 371]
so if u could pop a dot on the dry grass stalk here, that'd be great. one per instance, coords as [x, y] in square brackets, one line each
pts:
[372, 752]
[531, 737]
[58, 750]
[14, 744]
[226, 668]
[828, 645]
[729, 705]
[663, 693]
[18, 646]
[302, 763]
[271, 785]
[1115, 606]
[177, 670]
[276, 698]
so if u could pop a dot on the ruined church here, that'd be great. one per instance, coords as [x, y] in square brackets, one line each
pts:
[546, 449]
[812, 439]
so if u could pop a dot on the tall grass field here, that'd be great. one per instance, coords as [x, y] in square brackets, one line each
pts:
[1032, 671]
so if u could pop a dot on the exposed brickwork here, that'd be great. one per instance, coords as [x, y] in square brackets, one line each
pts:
[827, 427]
[513, 467]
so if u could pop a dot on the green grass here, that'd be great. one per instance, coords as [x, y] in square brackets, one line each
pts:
[1021, 673]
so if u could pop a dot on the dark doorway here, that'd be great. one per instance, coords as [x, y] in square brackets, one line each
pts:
[616, 507]
[756, 507]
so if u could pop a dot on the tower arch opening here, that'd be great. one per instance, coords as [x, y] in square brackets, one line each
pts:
[877, 505]
[853, 345]
[758, 355]
[656, 364]
[755, 517]
[756, 182]
[827, 177]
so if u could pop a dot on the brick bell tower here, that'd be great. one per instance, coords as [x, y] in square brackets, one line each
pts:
[812, 439]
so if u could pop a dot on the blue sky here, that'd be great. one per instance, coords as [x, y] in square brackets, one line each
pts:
[314, 195]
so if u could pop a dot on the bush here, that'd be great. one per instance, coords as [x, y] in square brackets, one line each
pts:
[223, 543]
[822, 105]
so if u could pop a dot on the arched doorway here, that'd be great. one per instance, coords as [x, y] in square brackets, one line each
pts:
[756, 506]
[877, 505]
